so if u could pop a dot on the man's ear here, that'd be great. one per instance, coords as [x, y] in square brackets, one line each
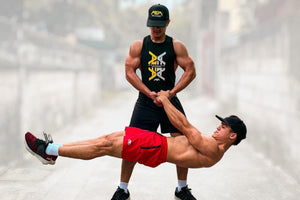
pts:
[168, 22]
[232, 136]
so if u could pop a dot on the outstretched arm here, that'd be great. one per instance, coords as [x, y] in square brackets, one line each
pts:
[180, 121]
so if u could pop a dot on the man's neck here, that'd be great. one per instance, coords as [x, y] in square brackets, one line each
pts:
[160, 39]
[224, 147]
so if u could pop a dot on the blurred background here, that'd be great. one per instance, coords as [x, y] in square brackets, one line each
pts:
[61, 59]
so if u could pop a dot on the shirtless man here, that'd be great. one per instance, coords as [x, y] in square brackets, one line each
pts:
[191, 150]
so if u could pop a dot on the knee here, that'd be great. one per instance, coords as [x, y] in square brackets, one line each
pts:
[102, 148]
[95, 151]
[102, 141]
[107, 142]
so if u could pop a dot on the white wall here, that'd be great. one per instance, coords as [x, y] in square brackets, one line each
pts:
[260, 79]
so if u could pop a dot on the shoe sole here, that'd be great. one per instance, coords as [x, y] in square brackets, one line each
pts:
[41, 159]
[128, 198]
[176, 198]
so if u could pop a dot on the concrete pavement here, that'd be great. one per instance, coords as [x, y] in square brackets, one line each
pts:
[243, 173]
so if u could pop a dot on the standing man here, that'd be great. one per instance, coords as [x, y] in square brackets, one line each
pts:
[157, 56]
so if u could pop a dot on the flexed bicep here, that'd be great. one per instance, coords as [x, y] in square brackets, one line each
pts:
[186, 63]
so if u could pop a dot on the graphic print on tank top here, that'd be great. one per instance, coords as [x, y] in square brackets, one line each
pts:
[157, 64]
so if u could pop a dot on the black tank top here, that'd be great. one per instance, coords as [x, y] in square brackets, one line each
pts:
[157, 64]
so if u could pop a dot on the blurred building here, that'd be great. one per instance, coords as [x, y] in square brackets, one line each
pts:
[45, 83]
[203, 33]
[253, 70]
[12, 9]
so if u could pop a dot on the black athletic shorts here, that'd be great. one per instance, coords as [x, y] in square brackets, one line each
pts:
[146, 115]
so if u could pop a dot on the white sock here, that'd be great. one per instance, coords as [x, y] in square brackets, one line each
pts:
[124, 186]
[52, 149]
[181, 184]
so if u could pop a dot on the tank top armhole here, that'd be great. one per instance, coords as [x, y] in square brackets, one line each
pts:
[170, 39]
[145, 41]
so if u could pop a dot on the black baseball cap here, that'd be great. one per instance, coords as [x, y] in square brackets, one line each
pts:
[158, 15]
[237, 126]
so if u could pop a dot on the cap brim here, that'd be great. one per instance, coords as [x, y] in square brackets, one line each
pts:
[221, 119]
[156, 23]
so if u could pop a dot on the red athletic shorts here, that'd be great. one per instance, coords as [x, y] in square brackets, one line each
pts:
[145, 147]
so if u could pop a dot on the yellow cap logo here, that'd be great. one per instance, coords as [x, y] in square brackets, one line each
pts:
[156, 13]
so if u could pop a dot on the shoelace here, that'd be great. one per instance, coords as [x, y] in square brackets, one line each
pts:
[48, 138]
[188, 191]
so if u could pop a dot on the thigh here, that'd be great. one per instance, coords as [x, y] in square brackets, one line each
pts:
[145, 117]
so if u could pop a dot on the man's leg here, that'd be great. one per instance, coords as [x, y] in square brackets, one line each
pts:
[95, 140]
[122, 193]
[182, 176]
[182, 191]
[181, 172]
[106, 145]
[142, 117]
[126, 171]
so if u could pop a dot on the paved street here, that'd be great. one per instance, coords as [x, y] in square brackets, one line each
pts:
[243, 174]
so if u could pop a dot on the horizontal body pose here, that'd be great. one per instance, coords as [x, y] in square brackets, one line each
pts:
[191, 150]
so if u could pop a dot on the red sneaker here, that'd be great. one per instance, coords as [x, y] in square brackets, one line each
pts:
[37, 147]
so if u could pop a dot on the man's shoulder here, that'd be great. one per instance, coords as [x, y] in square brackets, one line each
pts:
[140, 41]
[178, 43]
[136, 47]
[179, 47]
[137, 43]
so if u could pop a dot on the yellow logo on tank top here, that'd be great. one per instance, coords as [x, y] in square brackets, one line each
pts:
[157, 66]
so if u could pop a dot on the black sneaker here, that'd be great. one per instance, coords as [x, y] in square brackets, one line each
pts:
[120, 194]
[184, 194]
[38, 147]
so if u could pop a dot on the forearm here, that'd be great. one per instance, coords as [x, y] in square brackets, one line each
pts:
[180, 121]
[137, 83]
[185, 80]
